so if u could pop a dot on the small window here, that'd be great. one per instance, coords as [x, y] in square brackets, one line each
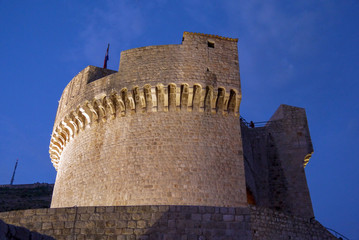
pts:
[210, 44]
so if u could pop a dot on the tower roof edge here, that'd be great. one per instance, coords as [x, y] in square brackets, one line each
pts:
[210, 35]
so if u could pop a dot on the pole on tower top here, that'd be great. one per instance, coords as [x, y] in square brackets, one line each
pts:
[13, 174]
[106, 57]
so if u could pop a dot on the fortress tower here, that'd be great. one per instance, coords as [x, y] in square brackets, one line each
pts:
[158, 150]
[163, 130]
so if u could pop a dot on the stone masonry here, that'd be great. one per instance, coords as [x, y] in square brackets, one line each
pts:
[162, 130]
[274, 157]
[167, 222]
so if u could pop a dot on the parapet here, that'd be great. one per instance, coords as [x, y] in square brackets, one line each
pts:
[210, 36]
[167, 222]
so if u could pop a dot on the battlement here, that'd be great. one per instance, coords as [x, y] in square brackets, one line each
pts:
[192, 62]
[210, 36]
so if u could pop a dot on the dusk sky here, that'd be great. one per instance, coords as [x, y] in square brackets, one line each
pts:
[300, 53]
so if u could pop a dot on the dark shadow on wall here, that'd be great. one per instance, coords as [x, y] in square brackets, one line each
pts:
[163, 223]
[198, 222]
[8, 231]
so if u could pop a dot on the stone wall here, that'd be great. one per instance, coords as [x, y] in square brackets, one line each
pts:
[166, 222]
[275, 156]
[161, 158]
[193, 61]
[268, 224]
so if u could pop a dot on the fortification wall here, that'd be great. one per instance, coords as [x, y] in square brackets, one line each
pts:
[275, 156]
[166, 222]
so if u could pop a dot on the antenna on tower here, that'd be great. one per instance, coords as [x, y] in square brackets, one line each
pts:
[13, 174]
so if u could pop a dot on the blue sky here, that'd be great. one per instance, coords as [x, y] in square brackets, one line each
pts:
[301, 53]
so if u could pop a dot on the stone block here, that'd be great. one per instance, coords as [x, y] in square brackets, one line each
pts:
[110, 209]
[125, 216]
[110, 224]
[46, 226]
[127, 231]
[141, 224]
[196, 217]
[217, 217]
[100, 209]
[206, 217]
[58, 225]
[136, 216]
[228, 218]
[110, 231]
[131, 224]
[84, 217]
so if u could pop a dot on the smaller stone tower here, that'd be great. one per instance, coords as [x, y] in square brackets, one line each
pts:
[274, 157]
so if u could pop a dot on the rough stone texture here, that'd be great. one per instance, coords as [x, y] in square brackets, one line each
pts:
[25, 196]
[275, 156]
[166, 222]
[268, 224]
[163, 130]
[134, 161]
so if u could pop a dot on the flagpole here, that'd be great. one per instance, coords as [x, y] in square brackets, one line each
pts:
[106, 57]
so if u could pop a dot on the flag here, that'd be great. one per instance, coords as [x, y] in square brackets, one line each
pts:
[106, 57]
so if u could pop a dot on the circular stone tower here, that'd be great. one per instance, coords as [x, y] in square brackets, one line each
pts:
[163, 130]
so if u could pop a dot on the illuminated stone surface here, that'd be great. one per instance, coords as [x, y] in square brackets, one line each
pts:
[162, 130]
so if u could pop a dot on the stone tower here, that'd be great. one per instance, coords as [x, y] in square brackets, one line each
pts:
[157, 150]
[163, 130]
